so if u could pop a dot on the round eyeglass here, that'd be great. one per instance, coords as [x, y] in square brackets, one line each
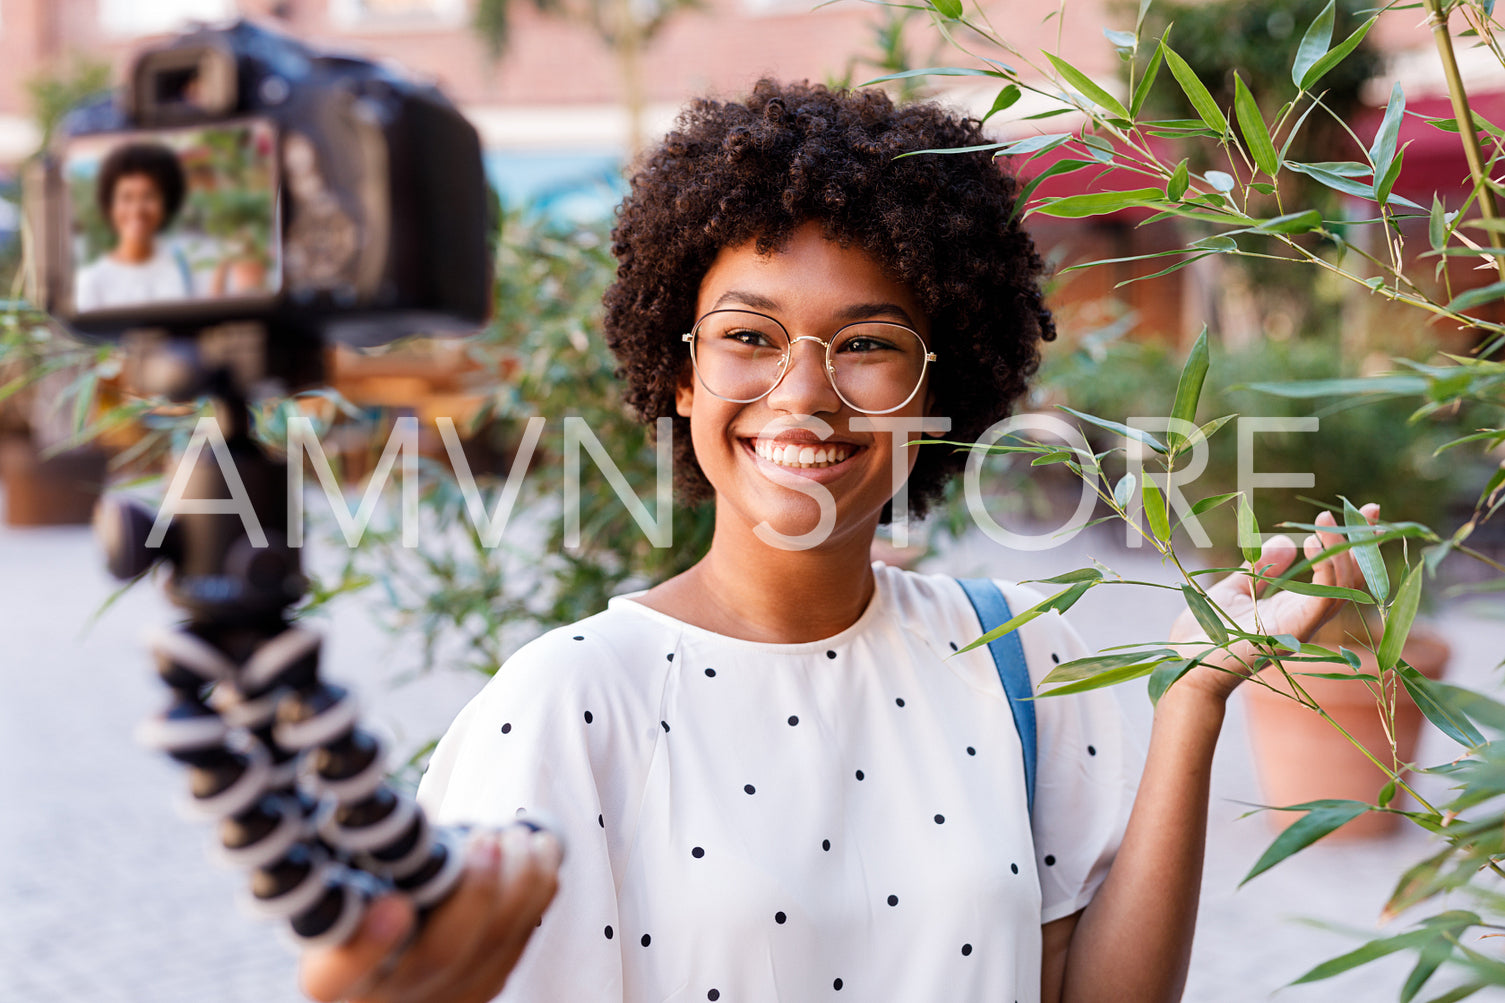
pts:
[741, 356]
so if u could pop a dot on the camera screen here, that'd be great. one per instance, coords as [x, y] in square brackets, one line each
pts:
[175, 217]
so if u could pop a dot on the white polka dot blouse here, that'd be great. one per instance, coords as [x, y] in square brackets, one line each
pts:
[842, 819]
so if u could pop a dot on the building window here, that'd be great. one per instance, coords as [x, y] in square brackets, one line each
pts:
[132, 17]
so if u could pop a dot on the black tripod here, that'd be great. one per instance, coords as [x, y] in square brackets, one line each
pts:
[273, 752]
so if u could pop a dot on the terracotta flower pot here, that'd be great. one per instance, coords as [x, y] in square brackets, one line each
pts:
[1300, 757]
[56, 491]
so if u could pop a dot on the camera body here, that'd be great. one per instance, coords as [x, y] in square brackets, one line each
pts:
[241, 177]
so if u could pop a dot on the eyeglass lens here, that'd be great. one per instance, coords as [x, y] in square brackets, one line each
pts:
[874, 366]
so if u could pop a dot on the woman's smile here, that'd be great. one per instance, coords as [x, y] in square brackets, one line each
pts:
[819, 459]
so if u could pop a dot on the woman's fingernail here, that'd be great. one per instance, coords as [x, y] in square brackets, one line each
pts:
[546, 849]
[515, 846]
[483, 853]
[387, 922]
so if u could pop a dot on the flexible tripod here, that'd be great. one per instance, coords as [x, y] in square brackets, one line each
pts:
[273, 752]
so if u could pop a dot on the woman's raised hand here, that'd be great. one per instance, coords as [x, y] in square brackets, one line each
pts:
[1283, 613]
[467, 947]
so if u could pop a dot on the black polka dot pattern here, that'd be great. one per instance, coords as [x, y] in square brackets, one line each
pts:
[836, 985]
[830, 654]
[601, 821]
[793, 720]
[1014, 868]
[779, 918]
[900, 701]
[507, 728]
[698, 852]
[1091, 751]
[966, 950]
[971, 751]
[940, 819]
[671, 656]
[589, 717]
[714, 994]
[1050, 860]
[893, 900]
[608, 933]
[825, 844]
[579, 637]
[646, 940]
[666, 726]
[953, 645]
[1055, 658]
[710, 673]
[749, 788]
[860, 774]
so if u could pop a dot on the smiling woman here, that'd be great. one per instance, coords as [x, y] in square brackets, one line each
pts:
[777, 775]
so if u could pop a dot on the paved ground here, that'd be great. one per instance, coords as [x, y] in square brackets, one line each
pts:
[106, 894]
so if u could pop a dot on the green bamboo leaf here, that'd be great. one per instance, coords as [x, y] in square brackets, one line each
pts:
[1165, 676]
[1477, 297]
[1111, 677]
[949, 9]
[1221, 180]
[1144, 8]
[1189, 387]
[1336, 55]
[1383, 185]
[1321, 818]
[1085, 668]
[1099, 203]
[1208, 430]
[1252, 124]
[1060, 603]
[1179, 182]
[1057, 168]
[1291, 222]
[1248, 530]
[1478, 708]
[1196, 92]
[1142, 89]
[1206, 616]
[940, 71]
[1085, 84]
[1208, 504]
[1452, 723]
[1123, 491]
[1367, 554]
[1005, 99]
[1321, 591]
[1398, 619]
[1459, 993]
[1387, 793]
[1137, 434]
[1154, 511]
[1453, 922]
[1072, 577]
[1314, 44]
[1346, 185]
[1382, 150]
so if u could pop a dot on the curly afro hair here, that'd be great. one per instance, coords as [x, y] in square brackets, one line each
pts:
[151, 159]
[756, 170]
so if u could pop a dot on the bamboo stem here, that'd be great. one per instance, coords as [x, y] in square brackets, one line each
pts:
[1438, 19]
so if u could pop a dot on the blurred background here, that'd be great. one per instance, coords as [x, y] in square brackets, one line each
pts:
[105, 894]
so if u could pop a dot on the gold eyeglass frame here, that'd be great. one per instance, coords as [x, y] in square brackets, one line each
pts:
[784, 364]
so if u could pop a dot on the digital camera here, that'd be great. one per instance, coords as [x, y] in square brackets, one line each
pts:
[240, 176]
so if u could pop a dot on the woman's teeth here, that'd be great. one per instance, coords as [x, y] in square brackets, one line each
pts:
[802, 456]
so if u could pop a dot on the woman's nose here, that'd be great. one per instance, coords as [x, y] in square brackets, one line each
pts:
[805, 388]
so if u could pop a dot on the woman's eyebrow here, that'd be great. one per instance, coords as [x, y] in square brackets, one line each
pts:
[755, 300]
[868, 311]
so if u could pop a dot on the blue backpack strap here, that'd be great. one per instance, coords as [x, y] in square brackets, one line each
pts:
[1008, 657]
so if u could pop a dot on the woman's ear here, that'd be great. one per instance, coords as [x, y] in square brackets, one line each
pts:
[684, 392]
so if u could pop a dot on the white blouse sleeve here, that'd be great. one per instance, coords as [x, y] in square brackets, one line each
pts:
[1085, 780]
[538, 741]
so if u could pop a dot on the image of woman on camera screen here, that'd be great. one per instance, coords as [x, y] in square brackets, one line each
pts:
[775, 776]
[139, 190]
